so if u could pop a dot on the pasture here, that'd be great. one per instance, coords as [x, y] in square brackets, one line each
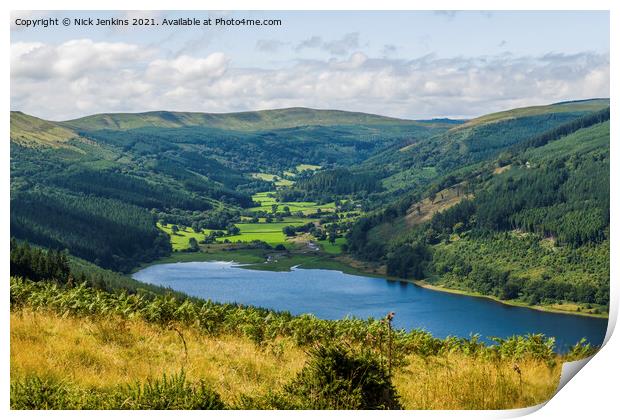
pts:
[278, 181]
[267, 200]
[266, 232]
[304, 167]
[180, 240]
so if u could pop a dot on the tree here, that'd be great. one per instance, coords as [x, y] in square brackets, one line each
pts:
[196, 227]
[232, 229]
[175, 229]
[408, 260]
[289, 230]
[193, 245]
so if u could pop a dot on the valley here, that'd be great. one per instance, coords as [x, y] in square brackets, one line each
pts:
[236, 252]
[415, 200]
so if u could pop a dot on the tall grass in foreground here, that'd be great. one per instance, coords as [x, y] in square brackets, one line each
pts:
[82, 348]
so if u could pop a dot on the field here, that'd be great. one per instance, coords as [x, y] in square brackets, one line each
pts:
[270, 233]
[266, 232]
[180, 240]
[279, 182]
[114, 353]
[334, 249]
[304, 167]
[307, 207]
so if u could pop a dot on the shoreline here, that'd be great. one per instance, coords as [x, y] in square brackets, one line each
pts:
[328, 262]
[426, 285]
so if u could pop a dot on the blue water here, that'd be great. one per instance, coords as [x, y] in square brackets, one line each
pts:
[332, 294]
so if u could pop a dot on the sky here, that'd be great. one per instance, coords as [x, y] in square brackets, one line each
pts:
[408, 64]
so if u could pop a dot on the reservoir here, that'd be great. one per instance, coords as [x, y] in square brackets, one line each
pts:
[330, 294]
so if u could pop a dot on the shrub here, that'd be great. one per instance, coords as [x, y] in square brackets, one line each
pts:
[336, 377]
[34, 393]
[169, 393]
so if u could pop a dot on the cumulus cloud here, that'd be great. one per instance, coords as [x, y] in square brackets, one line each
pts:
[84, 77]
[187, 70]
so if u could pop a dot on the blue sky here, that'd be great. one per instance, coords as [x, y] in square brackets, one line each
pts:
[405, 64]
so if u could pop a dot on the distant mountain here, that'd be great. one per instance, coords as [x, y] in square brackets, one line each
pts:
[241, 121]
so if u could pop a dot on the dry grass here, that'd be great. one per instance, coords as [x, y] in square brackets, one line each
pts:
[95, 353]
[102, 354]
[458, 381]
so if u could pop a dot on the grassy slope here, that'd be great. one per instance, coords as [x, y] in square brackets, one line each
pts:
[180, 240]
[113, 352]
[31, 131]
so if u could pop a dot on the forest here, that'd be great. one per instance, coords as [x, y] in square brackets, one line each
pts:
[538, 231]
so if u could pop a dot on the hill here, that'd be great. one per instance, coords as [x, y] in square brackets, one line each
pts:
[30, 131]
[98, 185]
[530, 225]
[238, 121]
[588, 105]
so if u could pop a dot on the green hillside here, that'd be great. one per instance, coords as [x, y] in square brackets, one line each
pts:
[531, 225]
[419, 164]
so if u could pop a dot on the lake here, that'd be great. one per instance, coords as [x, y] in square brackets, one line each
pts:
[332, 294]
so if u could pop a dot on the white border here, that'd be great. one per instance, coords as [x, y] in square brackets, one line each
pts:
[590, 395]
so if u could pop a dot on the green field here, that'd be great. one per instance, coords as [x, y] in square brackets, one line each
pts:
[266, 232]
[334, 249]
[180, 240]
[266, 201]
[270, 233]
[284, 183]
[264, 176]
[304, 167]
[278, 181]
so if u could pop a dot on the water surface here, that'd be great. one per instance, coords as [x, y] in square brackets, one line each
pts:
[332, 294]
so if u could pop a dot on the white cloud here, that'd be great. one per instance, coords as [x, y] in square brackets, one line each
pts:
[84, 77]
[187, 69]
